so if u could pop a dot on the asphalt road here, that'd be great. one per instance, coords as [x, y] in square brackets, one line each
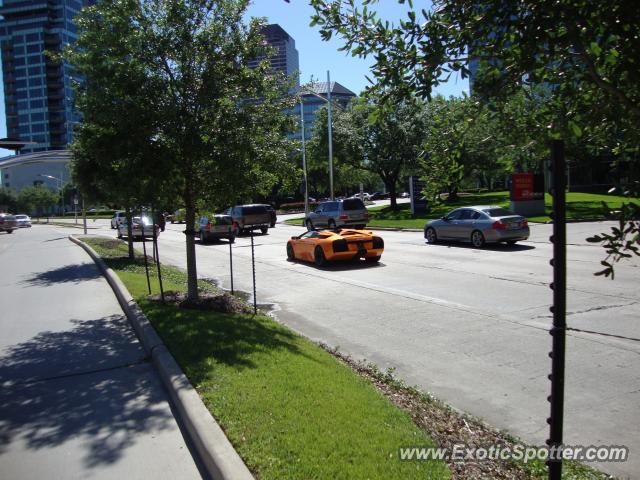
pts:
[78, 397]
[470, 326]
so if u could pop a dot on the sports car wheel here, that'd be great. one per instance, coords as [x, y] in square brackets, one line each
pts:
[309, 225]
[319, 257]
[431, 236]
[375, 259]
[477, 239]
[290, 255]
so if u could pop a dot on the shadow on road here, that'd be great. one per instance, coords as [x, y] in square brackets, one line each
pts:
[88, 383]
[493, 247]
[342, 265]
[69, 273]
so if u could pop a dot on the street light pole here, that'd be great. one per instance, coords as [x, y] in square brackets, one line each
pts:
[330, 137]
[59, 189]
[304, 160]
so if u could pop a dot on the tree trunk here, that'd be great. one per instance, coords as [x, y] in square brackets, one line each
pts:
[390, 181]
[129, 216]
[192, 273]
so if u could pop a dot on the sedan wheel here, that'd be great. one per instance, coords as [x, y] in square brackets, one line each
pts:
[319, 257]
[309, 225]
[331, 225]
[290, 255]
[430, 235]
[477, 239]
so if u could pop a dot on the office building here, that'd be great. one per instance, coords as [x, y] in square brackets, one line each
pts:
[37, 91]
[315, 97]
[285, 58]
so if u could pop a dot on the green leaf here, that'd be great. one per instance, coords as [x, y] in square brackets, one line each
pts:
[575, 129]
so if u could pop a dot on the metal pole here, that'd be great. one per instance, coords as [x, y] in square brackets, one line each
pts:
[231, 265]
[304, 161]
[330, 138]
[253, 268]
[559, 287]
[144, 250]
[157, 255]
[84, 216]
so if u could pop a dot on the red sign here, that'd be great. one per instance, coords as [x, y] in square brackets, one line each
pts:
[526, 186]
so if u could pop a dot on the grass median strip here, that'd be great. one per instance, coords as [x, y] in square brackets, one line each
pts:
[289, 407]
[580, 206]
[293, 409]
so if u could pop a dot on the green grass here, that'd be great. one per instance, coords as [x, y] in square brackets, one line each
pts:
[290, 409]
[580, 206]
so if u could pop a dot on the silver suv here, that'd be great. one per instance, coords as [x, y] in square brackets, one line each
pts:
[248, 218]
[349, 212]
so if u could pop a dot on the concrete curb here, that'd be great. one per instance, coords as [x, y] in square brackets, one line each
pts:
[216, 452]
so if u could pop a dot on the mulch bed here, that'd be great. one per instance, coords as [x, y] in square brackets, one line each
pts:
[219, 302]
[446, 426]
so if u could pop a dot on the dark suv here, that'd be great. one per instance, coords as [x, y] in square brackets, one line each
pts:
[7, 223]
[249, 218]
[349, 212]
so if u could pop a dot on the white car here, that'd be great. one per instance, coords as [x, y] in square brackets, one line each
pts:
[23, 221]
[139, 226]
[118, 219]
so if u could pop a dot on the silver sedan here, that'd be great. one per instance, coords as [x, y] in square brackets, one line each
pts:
[139, 226]
[478, 225]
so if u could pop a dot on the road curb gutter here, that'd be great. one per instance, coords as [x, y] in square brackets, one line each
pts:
[218, 456]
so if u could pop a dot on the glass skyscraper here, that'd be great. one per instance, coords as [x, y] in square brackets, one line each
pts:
[37, 90]
[285, 58]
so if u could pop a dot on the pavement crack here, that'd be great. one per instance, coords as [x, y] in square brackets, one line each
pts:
[592, 309]
[9, 383]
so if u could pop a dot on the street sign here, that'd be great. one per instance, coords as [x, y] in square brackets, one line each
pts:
[418, 202]
[526, 186]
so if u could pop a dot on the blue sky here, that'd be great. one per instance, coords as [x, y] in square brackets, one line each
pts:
[316, 56]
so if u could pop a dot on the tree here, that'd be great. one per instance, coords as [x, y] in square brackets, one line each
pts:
[217, 124]
[384, 142]
[116, 158]
[37, 199]
[7, 199]
[583, 53]
[347, 175]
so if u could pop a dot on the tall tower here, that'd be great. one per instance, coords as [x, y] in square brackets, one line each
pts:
[285, 59]
[38, 92]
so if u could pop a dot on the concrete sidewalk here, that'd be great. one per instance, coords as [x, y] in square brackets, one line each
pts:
[79, 398]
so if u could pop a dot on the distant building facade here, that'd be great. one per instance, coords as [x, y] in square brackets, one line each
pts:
[285, 59]
[312, 103]
[37, 91]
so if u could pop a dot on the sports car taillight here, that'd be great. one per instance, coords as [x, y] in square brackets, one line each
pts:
[378, 242]
[340, 245]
